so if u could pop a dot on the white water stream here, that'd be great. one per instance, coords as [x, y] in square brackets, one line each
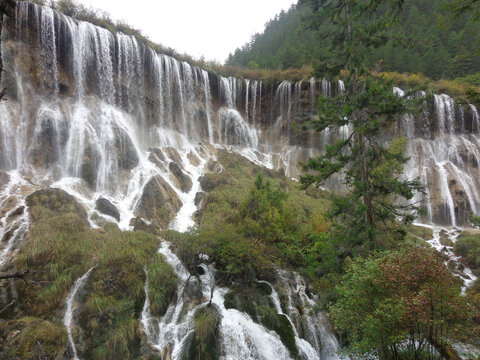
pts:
[240, 336]
[68, 318]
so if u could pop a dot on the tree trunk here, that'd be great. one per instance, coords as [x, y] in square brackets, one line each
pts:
[445, 349]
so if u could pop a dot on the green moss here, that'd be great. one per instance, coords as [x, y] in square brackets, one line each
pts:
[206, 325]
[283, 328]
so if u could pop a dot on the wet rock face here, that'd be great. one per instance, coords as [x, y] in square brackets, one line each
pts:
[183, 179]
[4, 179]
[199, 197]
[89, 166]
[159, 203]
[106, 207]
[127, 154]
[173, 154]
[158, 153]
[57, 201]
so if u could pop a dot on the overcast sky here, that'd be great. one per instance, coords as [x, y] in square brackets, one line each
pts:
[213, 28]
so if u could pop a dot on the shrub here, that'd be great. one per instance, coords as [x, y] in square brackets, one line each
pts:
[403, 300]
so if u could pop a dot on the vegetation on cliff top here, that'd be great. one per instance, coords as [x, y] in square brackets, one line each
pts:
[444, 46]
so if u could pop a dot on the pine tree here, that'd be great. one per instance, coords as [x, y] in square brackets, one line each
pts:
[368, 108]
[471, 7]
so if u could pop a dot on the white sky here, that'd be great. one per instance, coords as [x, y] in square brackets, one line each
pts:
[213, 28]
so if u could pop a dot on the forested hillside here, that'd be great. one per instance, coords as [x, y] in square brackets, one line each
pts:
[443, 46]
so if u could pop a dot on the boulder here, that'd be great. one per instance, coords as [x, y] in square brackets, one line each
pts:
[199, 198]
[194, 160]
[106, 207]
[17, 212]
[139, 225]
[183, 179]
[57, 201]
[158, 153]
[214, 167]
[159, 203]
[173, 154]
[209, 181]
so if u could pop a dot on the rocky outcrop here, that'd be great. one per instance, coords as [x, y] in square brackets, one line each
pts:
[183, 179]
[106, 207]
[159, 203]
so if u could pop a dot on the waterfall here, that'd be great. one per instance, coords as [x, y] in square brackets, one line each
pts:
[68, 318]
[304, 347]
[341, 87]
[48, 50]
[14, 226]
[254, 102]
[326, 88]
[208, 104]
[445, 109]
[476, 118]
[101, 115]
[297, 96]
[89, 106]
[247, 89]
[239, 336]
[313, 94]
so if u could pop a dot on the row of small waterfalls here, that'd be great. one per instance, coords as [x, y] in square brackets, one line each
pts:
[110, 121]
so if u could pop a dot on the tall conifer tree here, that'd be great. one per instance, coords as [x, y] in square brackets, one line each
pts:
[372, 169]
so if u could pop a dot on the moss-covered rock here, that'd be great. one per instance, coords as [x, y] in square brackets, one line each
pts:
[260, 308]
[106, 207]
[183, 179]
[468, 247]
[57, 201]
[203, 345]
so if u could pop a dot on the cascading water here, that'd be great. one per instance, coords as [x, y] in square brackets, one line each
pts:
[102, 115]
[110, 100]
[447, 163]
[476, 118]
[68, 318]
[239, 336]
[305, 348]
